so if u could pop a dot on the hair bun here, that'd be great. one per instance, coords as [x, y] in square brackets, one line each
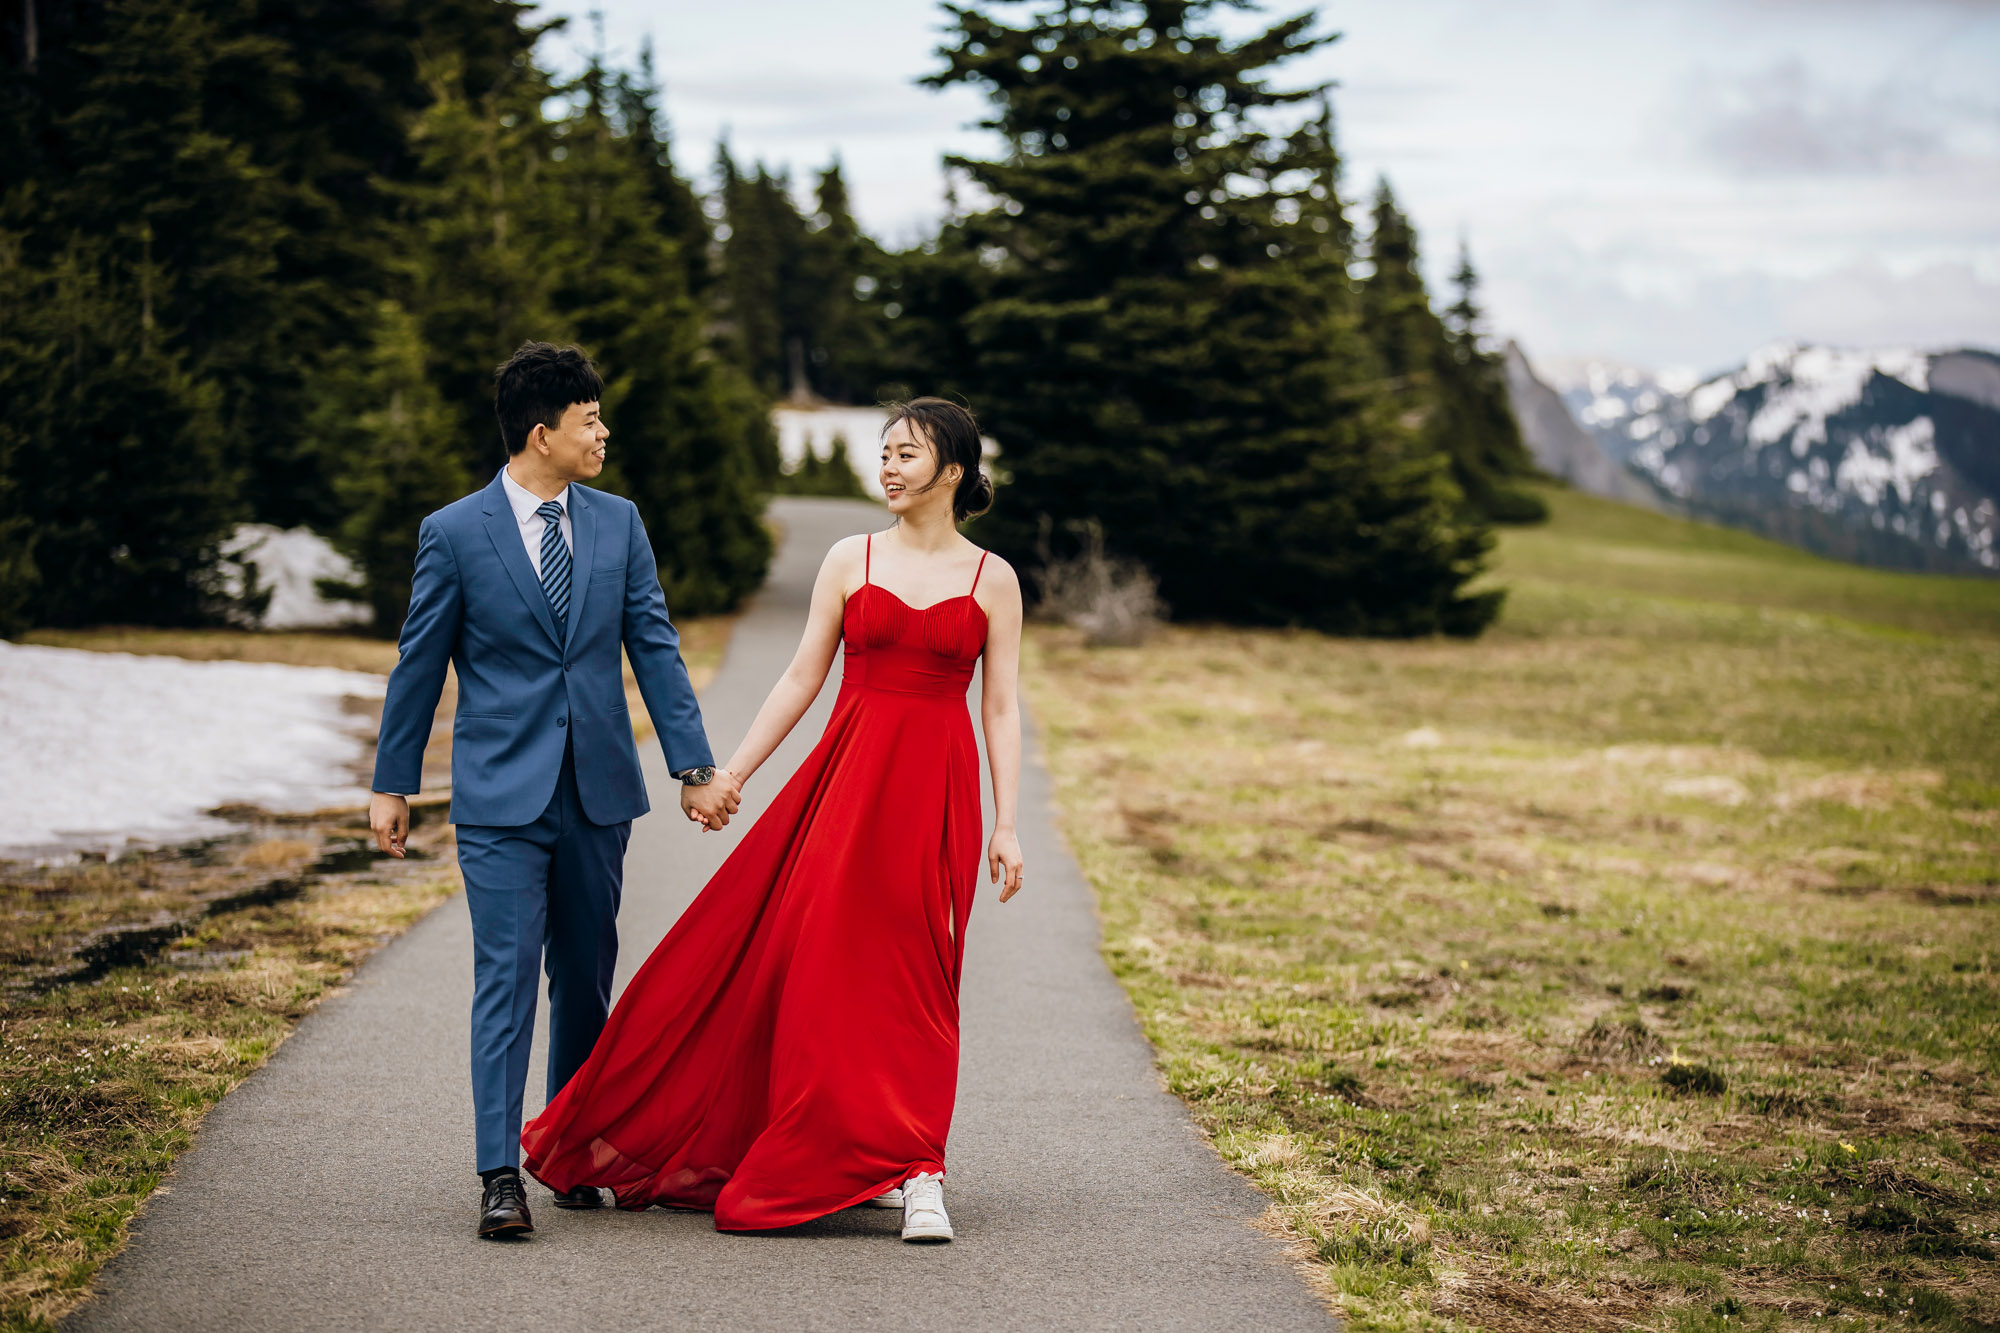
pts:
[974, 495]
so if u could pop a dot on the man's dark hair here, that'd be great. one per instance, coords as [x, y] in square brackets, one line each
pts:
[536, 385]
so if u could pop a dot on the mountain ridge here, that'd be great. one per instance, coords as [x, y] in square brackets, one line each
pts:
[1885, 456]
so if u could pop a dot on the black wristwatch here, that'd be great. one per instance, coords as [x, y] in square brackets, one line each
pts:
[697, 777]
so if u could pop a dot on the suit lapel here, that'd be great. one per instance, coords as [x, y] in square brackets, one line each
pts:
[505, 534]
[583, 544]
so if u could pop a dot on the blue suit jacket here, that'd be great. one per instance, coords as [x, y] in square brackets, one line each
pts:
[524, 689]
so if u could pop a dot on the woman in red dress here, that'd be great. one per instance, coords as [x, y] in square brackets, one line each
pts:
[791, 1047]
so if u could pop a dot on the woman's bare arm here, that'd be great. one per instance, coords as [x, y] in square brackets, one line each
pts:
[1000, 714]
[800, 685]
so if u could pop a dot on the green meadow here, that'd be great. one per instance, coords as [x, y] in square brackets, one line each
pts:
[1628, 967]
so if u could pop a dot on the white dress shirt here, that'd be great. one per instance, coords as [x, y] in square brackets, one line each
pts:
[532, 524]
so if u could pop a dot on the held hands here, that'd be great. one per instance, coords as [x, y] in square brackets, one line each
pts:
[389, 819]
[711, 804]
[1004, 854]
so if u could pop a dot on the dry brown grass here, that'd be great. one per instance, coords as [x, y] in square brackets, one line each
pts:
[103, 1083]
[1631, 967]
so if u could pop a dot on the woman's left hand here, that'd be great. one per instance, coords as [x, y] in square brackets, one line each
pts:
[1003, 854]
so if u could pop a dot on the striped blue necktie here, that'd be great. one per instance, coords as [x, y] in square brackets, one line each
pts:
[555, 561]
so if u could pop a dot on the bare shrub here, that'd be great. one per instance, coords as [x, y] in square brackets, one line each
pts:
[1113, 600]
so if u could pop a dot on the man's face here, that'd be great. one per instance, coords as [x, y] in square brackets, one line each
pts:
[576, 443]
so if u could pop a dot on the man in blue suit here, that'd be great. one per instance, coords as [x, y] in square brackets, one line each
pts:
[529, 588]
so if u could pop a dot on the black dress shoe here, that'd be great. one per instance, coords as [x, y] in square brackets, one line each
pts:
[503, 1209]
[583, 1196]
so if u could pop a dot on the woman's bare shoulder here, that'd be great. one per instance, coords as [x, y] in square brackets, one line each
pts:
[844, 561]
[998, 575]
[997, 565]
[849, 549]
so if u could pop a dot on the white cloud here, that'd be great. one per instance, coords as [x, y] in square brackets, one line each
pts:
[1671, 183]
[1783, 120]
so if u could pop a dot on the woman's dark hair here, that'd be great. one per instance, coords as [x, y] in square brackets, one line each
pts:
[954, 438]
[536, 385]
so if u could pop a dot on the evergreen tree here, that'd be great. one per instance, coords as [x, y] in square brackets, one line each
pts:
[121, 498]
[766, 303]
[691, 443]
[205, 208]
[831, 475]
[1164, 339]
[1438, 372]
[798, 288]
[924, 302]
[846, 341]
[386, 421]
[681, 214]
[1481, 414]
[489, 239]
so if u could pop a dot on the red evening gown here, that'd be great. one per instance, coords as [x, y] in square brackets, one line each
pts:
[791, 1047]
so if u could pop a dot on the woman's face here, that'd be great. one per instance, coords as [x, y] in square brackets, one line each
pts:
[909, 464]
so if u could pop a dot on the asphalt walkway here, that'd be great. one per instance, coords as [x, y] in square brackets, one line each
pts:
[334, 1189]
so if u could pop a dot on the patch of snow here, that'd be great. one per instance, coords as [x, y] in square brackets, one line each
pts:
[1900, 456]
[103, 749]
[290, 562]
[1705, 400]
[1602, 409]
[1678, 380]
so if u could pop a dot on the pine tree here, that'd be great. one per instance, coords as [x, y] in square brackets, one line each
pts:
[1164, 339]
[831, 475]
[682, 217]
[798, 287]
[759, 229]
[488, 240]
[691, 443]
[121, 499]
[388, 425]
[205, 207]
[1481, 414]
[847, 338]
[1438, 372]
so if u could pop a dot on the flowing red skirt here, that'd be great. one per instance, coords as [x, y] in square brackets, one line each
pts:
[791, 1047]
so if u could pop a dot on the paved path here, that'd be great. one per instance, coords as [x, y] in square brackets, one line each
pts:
[334, 1189]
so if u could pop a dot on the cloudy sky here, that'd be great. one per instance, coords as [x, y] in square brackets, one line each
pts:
[1668, 184]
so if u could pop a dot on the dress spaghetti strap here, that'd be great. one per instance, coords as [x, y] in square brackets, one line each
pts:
[868, 558]
[977, 572]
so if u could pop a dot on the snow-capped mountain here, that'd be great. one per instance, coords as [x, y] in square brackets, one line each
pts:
[1886, 456]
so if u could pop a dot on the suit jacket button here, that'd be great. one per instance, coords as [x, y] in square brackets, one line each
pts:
[562, 721]
[566, 666]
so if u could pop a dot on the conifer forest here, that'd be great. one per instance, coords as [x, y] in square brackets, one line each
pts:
[258, 259]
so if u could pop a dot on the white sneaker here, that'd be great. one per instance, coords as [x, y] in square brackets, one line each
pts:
[923, 1208]
[886, 1199]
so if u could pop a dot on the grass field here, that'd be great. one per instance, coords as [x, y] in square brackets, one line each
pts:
[1629, 967]
[104, 1080]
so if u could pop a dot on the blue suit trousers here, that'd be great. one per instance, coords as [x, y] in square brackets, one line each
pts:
[541, 894]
